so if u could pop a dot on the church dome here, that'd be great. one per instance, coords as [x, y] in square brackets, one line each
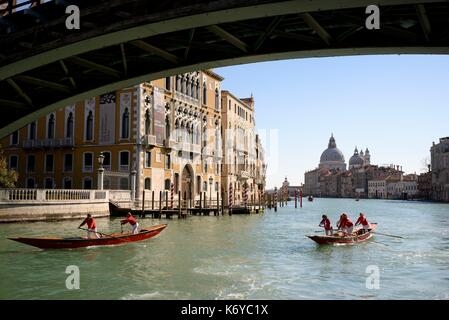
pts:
[356, 159]
[332, 153]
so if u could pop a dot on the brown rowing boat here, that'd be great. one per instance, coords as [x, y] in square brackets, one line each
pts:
[82, 242]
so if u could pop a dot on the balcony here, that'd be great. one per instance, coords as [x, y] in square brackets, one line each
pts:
[169, 143]
[243, 174]
[188, 147]
[48, 143]
[149, 140]
[185, 98]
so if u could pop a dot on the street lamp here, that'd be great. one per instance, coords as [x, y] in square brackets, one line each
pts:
[211, 180]
[100, 171]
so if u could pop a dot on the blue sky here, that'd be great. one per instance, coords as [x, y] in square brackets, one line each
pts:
[395, 105]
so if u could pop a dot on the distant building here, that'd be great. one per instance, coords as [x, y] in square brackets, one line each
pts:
[287, 190]
[404, 187]
[362, 179]
[425, 185]
[439, 154]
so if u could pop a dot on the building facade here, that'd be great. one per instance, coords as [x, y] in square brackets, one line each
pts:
[166, 133]
[439, 154]
[243, 175]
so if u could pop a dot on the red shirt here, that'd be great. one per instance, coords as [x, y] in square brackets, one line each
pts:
[345, 223]
[327, 224]
[348, 223]
[362, 220]
[132, 221]
[90, 223]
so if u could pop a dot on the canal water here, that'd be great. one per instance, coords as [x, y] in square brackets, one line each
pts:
[264, 256]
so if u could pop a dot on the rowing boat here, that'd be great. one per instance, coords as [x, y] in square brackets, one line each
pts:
[357, 236]
[81, 242]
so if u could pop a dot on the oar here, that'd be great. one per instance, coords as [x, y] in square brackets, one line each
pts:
[105, 234]
[380, 243]
[388, 235]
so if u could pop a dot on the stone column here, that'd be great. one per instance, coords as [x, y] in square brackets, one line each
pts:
[100, 178]
[133, 185]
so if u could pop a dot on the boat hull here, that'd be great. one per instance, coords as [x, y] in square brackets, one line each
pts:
[71, 243]
[336, 240]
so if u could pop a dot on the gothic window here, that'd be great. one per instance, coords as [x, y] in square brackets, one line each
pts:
[148, 122]
[89, 126]
[167, 128]
[217, 99]
[32, 133]
[197, 86]
[192, 89]
[178, 83]
[204, 93]
[167, 184]
[15, 138]
[51, 127]
[125, 124]
[168, 83]
[69, 126]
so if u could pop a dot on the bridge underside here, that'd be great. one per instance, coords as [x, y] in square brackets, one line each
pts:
[44, 66]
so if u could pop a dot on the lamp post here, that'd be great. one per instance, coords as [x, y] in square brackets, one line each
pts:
[211, 180]
[100, 171]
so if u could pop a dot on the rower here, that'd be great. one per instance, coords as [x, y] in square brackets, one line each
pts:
[91, 227]
[362, 220]
[132, 221]
[326, 223]
[345, 224]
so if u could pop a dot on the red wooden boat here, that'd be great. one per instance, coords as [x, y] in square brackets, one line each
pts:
[81, 242]
[338, 238]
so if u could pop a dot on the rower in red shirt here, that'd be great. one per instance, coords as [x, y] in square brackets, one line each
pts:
[326, 223]
[132, 221]
[91, 227]
[345, 224]
[362, 220]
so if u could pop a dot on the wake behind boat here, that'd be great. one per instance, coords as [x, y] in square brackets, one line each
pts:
[82, 242]
[359, 235]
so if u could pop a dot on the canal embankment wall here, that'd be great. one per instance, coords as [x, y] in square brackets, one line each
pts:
[22, 205]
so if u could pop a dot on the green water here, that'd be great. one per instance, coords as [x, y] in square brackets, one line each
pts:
[265, 256]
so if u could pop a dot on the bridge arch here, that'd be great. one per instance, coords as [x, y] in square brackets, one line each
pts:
[193, 36]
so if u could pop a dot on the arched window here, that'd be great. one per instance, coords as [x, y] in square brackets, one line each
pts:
[89, 126]
[168, 83]
[148, 122]
[167, 184]
[69, 126]
[51, 127]
[167, 128]
[197, 86]
[217, 99]
[188, 87]
[183, 85]
[32, 133]
[125, 124]
[178, 83]
[148, 183]
[204, 93]
[192, 89]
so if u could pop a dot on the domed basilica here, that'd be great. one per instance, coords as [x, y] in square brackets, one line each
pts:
[333, 158]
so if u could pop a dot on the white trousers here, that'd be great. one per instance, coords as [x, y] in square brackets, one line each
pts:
[367, 227]
[92, 234]
[348, 230]
[134, 228]
[328, 232]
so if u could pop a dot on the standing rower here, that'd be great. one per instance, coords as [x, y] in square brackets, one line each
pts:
[326, 223]
[345, 224]
[91, 227]
[132, 221]
[362, 220]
